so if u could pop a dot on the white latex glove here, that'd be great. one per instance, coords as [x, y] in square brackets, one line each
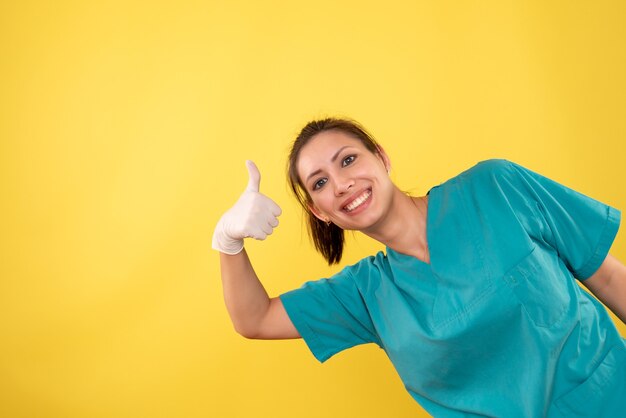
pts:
[254, 215]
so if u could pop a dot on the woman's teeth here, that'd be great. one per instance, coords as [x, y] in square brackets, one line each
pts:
[358, 201]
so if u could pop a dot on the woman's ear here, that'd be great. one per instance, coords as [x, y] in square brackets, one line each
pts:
[384, 158]
[316, 212]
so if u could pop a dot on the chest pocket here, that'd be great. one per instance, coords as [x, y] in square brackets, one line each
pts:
[542, 284]
[464, 302]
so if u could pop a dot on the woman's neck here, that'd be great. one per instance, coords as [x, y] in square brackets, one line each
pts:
[403, 229]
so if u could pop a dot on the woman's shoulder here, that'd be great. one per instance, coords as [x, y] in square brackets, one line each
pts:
[490, 172]
[483, 170]
[486, 179]
[367, 268]
[493, 166]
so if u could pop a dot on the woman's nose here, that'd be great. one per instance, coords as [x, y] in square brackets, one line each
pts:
[343, 185]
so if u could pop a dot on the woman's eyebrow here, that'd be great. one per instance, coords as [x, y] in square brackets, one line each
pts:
[332, 160]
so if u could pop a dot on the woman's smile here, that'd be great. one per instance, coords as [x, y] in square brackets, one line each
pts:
[358, 203]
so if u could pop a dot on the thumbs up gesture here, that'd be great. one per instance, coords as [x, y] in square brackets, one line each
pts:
[253, 215]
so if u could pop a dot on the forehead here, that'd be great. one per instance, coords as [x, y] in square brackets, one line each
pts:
[321, 148]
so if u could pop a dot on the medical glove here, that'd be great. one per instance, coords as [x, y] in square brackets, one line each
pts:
[254, 215]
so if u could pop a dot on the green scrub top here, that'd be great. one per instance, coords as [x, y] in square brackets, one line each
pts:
[495, 325]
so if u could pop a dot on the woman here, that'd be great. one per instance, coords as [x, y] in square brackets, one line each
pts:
[474, 300]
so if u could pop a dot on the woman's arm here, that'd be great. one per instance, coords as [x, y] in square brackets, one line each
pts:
[253, 313]
[608, 284]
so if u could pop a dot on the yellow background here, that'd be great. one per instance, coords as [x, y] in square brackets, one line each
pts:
[124, 128]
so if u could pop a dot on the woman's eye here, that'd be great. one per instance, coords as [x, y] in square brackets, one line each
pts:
[348, 160]
[319, 183]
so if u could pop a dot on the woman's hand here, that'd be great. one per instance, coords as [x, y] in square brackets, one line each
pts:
[254, 215]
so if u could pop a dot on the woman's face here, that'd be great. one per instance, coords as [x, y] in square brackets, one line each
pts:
[347, 183]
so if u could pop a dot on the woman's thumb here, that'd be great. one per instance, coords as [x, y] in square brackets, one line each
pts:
[254, 176]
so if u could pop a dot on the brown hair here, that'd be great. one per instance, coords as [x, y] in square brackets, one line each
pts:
[328, 239]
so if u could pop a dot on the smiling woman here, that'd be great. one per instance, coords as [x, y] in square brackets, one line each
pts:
[327, 236]
[477, 281]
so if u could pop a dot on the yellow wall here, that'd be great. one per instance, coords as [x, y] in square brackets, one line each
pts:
[123, 134]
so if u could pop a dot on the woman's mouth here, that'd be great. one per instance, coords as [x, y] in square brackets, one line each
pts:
[358, 201]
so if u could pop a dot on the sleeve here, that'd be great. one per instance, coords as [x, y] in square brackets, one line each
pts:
[579, 228]
[330, 315]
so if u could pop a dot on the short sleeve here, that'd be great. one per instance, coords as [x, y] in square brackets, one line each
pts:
[578, 227]
[330, 315]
